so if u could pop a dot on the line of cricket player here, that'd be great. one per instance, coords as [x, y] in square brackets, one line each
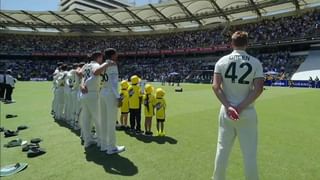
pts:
[87, 97]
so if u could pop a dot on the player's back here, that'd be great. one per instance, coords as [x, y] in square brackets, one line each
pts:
[76, 83]
[68, 80]
[61, 79]
[238, 70]
[90, 80]
[111, 72]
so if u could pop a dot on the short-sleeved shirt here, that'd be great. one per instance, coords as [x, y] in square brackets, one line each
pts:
[134, 97]
[91, 81]
[160, 106]
[238, 70]
[76, 83]
[125, 100]
[149, 103]
[61, 78]
[54, 80]
[109, 80]
[68, 80]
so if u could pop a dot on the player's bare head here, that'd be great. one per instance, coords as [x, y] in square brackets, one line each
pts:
[96, 56]
[75, 65]
[81, 64]
[110, 53]
[69, 67]
[59, 64]
[239, 39]
[64, 67]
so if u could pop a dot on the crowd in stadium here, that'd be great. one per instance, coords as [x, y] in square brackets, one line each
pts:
[268, 30]
[158, 69]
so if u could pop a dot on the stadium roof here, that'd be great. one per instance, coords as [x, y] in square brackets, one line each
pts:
[166, 16]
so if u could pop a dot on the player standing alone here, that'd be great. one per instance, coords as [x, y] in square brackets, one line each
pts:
[237, 83]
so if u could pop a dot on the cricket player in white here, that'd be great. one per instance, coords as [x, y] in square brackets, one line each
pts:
[237, 82]
[67, 95]
[75, 96]
[109, 103]
[54, 105]
[60, 92]
[90, 87]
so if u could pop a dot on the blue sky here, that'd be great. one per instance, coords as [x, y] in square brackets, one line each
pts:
[41, 5]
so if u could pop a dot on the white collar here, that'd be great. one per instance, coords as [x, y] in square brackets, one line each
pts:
[239, 51]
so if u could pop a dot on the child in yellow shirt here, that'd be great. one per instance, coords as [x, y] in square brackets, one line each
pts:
[135, 104]
[148, 102]
[160, 105]
[124, 95]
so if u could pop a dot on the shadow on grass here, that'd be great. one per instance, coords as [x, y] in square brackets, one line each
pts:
[66, 125]
[156, 139]
[113, 164]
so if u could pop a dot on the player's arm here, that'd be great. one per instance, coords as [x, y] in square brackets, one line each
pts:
[79, 73]
[102, 68]
[67, 80]
[254, 93]
[114, 84]
[60, 79]
[217, 89]
[153, 101]
[72, 78]
[83, 88]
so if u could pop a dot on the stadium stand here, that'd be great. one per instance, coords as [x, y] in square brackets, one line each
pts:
[266, 31]
[309, 68]
[189, 52]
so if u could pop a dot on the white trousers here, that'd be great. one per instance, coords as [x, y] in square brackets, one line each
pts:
[108, 118]
[75, 105]
[246, 130]
[67, 106]
[54, 105]
[60, 103]
[88, 116]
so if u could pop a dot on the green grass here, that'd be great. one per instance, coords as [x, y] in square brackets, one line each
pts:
[289, 145]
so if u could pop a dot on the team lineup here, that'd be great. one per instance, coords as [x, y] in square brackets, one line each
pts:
[87, 96]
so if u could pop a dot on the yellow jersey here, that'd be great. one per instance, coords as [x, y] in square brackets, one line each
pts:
[134, 97]
[160, 105]
[148, 103]
[124, 95]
